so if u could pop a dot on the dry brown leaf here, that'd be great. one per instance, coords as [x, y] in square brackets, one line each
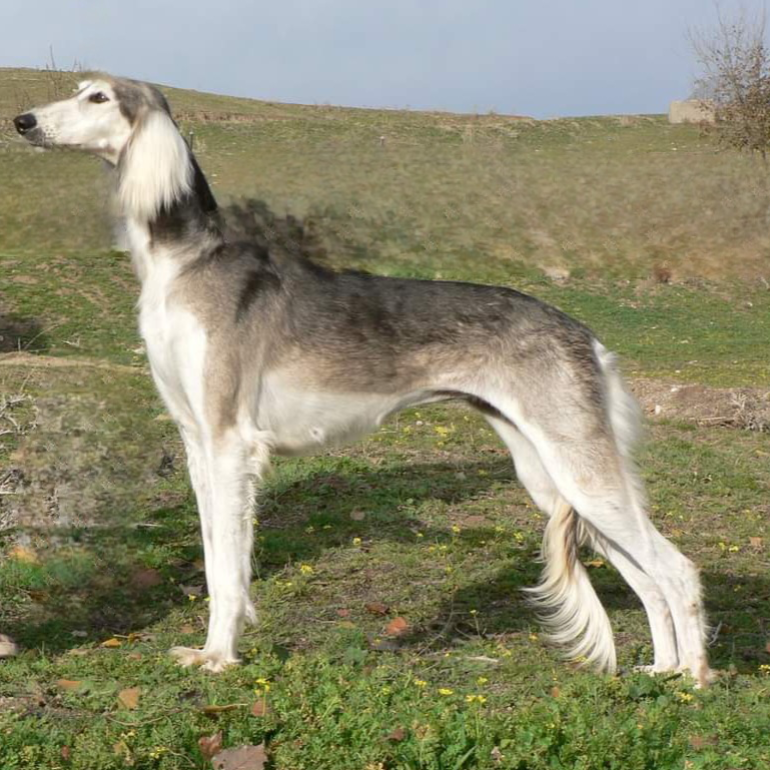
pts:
[23, 554]
[122, 750]
[243, 758]
[756, 542]
[397, 627]
[186, 629]
[377, 608]
[260, 708]
[210, 745]
[112, 643]
[475, 521]
[555, 692]
[192, 590]
[595, 563]
[343, 613]
[146, 578]
[130, 697]
[699, 742]
[767, 647]
[68, 684]
[357, 515]
[65, 753]
[397, 735]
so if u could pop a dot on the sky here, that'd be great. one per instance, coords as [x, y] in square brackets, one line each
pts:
[543, 58]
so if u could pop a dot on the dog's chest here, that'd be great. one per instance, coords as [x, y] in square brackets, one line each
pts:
[174, 340]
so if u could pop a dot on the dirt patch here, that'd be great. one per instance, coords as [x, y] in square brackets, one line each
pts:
[744, 408]
[72, 451]
[37, 361]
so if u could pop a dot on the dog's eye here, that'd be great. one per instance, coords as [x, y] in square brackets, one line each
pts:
[98, 98]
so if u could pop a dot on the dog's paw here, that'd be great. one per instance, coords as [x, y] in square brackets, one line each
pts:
[653, 670]
[702, 674]
[8, 647]
[211, 661]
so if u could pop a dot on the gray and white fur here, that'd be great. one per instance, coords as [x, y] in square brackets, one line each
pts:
[256, 351]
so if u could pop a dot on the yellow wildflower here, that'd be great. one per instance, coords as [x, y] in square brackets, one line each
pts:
[475, 699]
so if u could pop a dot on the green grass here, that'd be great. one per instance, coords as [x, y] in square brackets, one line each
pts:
[425, 518]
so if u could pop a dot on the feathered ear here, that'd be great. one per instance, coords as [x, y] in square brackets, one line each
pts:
[154, 169]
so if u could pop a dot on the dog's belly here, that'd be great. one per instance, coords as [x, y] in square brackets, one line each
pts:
[303, 422]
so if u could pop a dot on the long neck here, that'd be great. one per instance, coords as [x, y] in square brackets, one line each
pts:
[169, 209]
[191, 215]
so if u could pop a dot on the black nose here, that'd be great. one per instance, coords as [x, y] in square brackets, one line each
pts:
[25, 122]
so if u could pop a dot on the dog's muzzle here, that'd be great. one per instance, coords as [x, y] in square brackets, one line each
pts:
[25, 123]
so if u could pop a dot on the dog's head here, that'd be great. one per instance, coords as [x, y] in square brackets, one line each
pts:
[99, 118]
[128, 124]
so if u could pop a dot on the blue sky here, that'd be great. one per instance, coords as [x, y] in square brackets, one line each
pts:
[530, 57]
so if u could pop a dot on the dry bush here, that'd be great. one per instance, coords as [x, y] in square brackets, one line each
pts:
[735, 80]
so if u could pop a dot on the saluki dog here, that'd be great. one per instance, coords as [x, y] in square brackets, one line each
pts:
[257, 351]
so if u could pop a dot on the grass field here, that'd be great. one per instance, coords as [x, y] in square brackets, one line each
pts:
[393, 632]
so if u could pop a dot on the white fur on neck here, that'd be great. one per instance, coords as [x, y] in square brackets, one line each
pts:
[155, 170]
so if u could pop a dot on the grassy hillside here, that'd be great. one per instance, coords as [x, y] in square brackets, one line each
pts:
[467, 194]
[638, 228]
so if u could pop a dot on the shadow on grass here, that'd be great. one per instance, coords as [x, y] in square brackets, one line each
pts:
[111, 597]
[738, 609]
[17, 333]
[114, 599]
[97, 583]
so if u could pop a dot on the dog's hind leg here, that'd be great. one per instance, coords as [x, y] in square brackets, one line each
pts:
[569, 605]
[223, 472]
[586, 454]
[565, 589]
[649, 561]
[544, 493]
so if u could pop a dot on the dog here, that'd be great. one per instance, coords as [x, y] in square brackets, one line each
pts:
[257, 351]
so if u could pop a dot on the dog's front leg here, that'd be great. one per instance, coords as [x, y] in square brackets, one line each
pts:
[223, 473]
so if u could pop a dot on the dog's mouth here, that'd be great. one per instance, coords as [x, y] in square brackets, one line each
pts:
[37, 137]
[28, 127]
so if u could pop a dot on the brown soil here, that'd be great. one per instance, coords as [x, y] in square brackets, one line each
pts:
[745, 408]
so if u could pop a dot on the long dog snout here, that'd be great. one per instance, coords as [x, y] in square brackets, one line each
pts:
[25, 122]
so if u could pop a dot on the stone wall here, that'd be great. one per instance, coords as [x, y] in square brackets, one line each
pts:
[690, 111]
